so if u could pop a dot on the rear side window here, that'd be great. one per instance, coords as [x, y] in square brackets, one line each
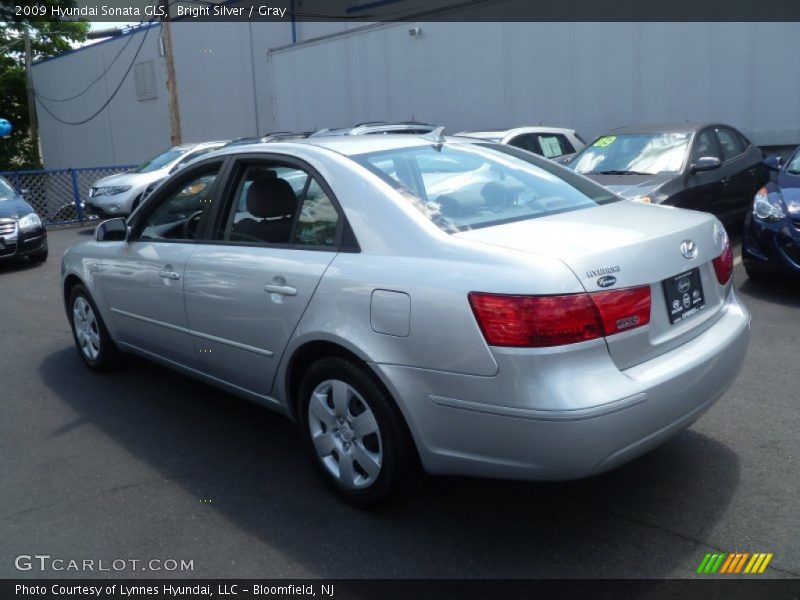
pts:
[730, 141]
[469, 186]
[318, 219]
[554, 145]
[280, 205]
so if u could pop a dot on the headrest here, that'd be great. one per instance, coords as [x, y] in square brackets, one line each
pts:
[271, 197]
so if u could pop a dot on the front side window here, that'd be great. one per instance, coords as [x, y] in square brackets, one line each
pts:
[704, 146]
[731, 143]
[793, 166]
[178, 216]
[468, 186]
[633, 154]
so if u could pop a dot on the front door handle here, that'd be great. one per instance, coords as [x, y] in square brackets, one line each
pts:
[725, 180]
[284, 290]
[174, 275]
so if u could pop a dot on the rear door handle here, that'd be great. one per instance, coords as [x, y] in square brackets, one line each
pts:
[284, 290]
[725, 180]
[169, 275]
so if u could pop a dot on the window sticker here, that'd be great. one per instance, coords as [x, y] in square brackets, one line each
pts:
[605, 141]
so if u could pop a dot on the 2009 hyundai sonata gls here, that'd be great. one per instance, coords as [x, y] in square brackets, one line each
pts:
[450, 304]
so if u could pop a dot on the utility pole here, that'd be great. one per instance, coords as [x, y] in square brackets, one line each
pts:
[34, 123]
[172, 85]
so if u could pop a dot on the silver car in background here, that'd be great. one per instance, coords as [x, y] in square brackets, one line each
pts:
[421, 303]
[121, 193]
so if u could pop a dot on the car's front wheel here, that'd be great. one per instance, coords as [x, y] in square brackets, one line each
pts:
[95, 346]
[355, 433]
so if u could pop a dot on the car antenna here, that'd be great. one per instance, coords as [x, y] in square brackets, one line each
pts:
[436, 136]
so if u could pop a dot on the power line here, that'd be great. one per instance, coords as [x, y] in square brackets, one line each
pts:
[98, 78]
[110, 98]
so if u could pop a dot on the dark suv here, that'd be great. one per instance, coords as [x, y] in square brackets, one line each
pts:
[21, 230]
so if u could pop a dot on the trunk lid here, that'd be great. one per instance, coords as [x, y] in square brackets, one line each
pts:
[627, 244]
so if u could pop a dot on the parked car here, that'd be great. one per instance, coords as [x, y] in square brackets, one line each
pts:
[379, 128]
[771, 240]
[539, 327]
[22, 233]
[711, 167]
[120, 194]
[555, 143]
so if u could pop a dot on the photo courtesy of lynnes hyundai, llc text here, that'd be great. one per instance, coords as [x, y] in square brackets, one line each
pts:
[420, 303]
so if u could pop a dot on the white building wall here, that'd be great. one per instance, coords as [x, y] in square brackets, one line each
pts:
[127, 131]
[590, 76]
[243, 79]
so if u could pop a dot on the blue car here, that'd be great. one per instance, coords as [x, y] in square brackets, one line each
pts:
[771, 241]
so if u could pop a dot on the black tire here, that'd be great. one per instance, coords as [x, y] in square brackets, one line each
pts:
[108, 354]
[400, 471]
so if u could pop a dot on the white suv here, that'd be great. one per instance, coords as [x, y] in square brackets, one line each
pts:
[119, 194]
[555, 143]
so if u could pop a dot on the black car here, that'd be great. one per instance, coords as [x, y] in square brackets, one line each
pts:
[21, 230]
[771, 240]
[710, 167]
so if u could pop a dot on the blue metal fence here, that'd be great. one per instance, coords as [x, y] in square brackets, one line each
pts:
[58, 194]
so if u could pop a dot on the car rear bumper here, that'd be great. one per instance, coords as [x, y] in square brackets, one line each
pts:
[552, 424]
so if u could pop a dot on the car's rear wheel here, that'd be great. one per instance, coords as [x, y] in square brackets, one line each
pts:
[355, 434]
[95, 346]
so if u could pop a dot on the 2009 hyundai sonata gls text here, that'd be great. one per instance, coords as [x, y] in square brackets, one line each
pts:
[421, 302]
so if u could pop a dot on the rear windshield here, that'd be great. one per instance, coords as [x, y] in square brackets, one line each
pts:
[469, 186]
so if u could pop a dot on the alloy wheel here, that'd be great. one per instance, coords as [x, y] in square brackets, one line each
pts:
[86, 328]
[345, 434]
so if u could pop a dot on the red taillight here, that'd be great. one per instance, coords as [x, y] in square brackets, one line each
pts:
[723, 264]
[542, 321]
[625, 309]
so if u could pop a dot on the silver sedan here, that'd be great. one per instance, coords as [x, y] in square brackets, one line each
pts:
[421, 304]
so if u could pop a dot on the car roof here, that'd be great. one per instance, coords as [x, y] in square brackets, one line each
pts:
[501, 133]
[347, 145]
[375, 127]
[661, 128]
[196, 145]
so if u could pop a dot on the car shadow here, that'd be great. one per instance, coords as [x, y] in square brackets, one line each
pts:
[17, 264]
[783, 291]
[640, 520]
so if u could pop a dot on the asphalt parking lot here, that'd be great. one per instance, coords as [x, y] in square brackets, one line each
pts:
[144, 463]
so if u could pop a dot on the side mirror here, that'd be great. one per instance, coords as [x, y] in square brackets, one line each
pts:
[113, 230]
[773, 162]
[705, 163]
